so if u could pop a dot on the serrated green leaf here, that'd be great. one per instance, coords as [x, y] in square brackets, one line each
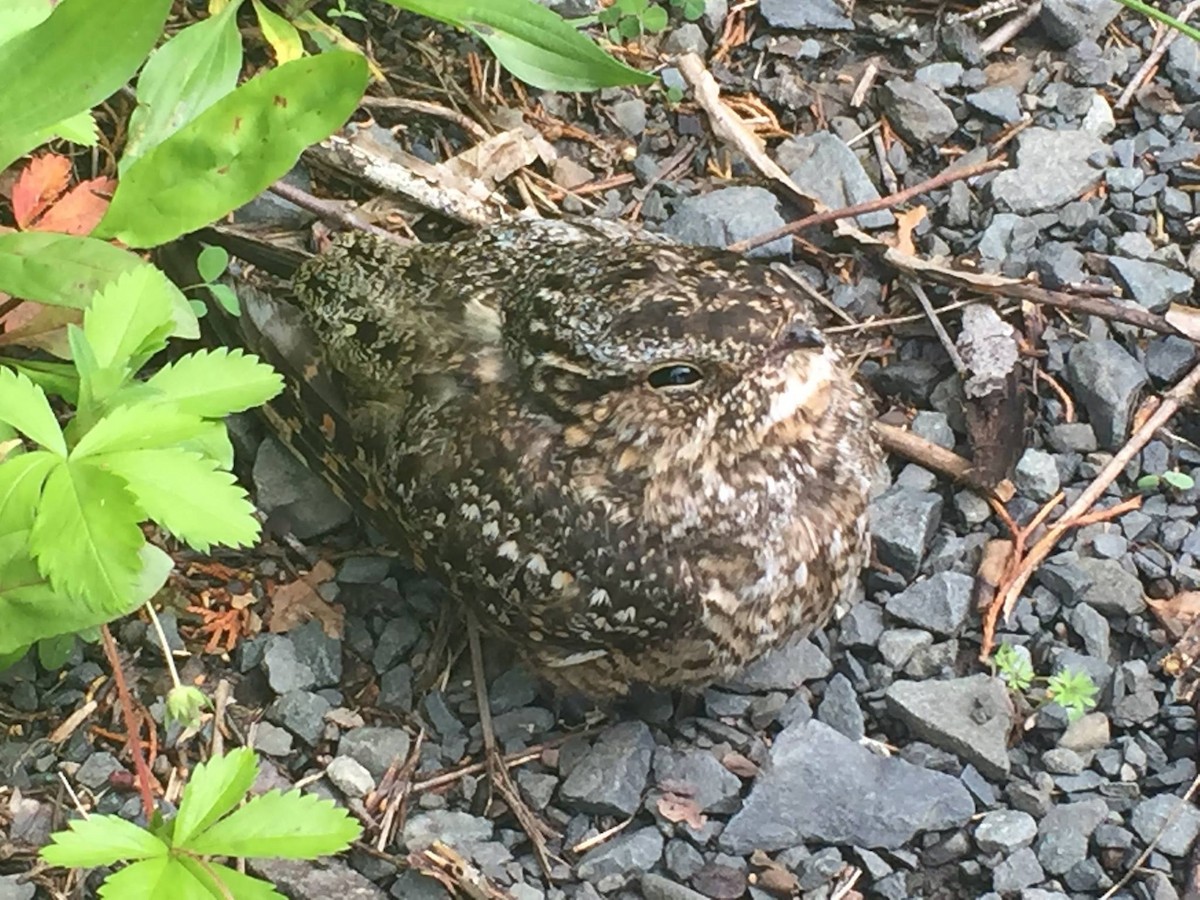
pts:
[84, 52]
[235, 149]
[67, 270]
[279, 33]
[214, 788]
[21, 480]
[157, 879]
[535, 44]
[79, 129]
[56, 379]
[101, 841]
[129, 320]
[186, 494]
[24, 406]
[182, 78]
[287, 826]
[139, 427]
[215, 383]
[86, 538]
[211, 262]
[232, 883]
[213, 443]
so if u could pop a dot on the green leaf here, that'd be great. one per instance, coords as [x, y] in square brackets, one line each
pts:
[1147, 482]
[232, 883]
[629, 28]
[17, 16]
[24, 406]
[224, 295]
[215, 383]
[213, 442]
[86, 538]
[21, 480]
[66, 270]
[182, 78]
[129, 320]
[1147, 10]
[139, 426]
[186, 494]
[235, 149]
[55, 378]
[533, 43]
[287, 826]
[161, 879]
[101, 841]
[214, 788]
[279, 33]
[1181, 481]
[84, 52]
[655, 19]
[53, 652]
[78, 129]
[184, 703]
[211, 262]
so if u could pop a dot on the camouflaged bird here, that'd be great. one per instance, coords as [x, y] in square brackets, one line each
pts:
[638, 462]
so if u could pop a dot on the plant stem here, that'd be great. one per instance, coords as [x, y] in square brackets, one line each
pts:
[1158, 15]
[162, 642]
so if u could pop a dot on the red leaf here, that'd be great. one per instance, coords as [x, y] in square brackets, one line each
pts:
[81, 208]
[38, 186]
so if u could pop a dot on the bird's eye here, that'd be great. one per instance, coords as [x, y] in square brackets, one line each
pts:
[675, 375]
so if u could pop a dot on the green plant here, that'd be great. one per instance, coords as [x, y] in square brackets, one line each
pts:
[211, 262]
[1179, 481]
[689, 9]
[174, 858]
[1147, 10]
[629, 19]
[343, 13]
[1073, 691]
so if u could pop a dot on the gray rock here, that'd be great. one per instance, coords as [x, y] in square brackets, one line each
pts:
[1070, 21]
[350, 776]
[1063, 834]
[364, 570]
[1151, 284]
[272, 740]
[917, 113]
[655, 887]
[451, 827]
[825, 167]
[934, 427]
[820, 786]
[630, 115]
[1036, 475]
[839, 708]
[320, 652]
[897, 645]
[1000, 103]
[1109, 381]
[375, 747]
[784, 669]
[697, 774]
[1124, 178]
[1052, 169]
[1019, 871]
[1169, 357]
[636, 851]
[302, 879]
[861, 626]
[1093, 629]
[1061, 761]
[939, 604]
[967, 716]
[611, 776]
[300, 712]
[723, 216]
[827, 14]
[412, 885]
[283, 485]
[1072, 437]
[1113, 590]
[903, 523]
[686, 37]
[1087, 733]
[1151, 815]
[1005, 830]
[97, 769]
[285, 672]
[943, 75]
[1059, 265]
[11, 888]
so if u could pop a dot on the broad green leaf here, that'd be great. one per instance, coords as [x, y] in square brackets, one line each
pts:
[21, 480]
[129, 319]
[138, 427]
[287, 826]
[31, 610]
[182, 78]
[101, 841]
[215, 383]
[222, 881]
[86, 537]
[279, 33]
[235, 149]
[57, 379]
[214, 788]
[24, 406]
[211, 262]
[17, 16]
[53, 652]
[535, 44]
[66, 270]
[84, 52]
[186, 494]
[160, 879]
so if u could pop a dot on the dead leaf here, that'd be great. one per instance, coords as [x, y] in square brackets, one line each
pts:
[38, 186]
[906, 223]
[740, 765]
[1177, 613]
[675, 808]
[299, 601]
[45, 329]
[1185, 318]
[81, 208]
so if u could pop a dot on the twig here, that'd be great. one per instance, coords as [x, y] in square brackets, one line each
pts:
[133, 723]
[943, 335]
[1010, 29]
[891, 200]
[1165, 40]
[931, 456]
[330, 211]
[465, 122]
[1186, 798]
[1006, 599]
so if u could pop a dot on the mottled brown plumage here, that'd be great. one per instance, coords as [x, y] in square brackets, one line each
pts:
[636, 461]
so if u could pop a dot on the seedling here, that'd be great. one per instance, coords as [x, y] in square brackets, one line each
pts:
[174, 857]
[630, 19]
[1179, 481]
[1073, 691]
